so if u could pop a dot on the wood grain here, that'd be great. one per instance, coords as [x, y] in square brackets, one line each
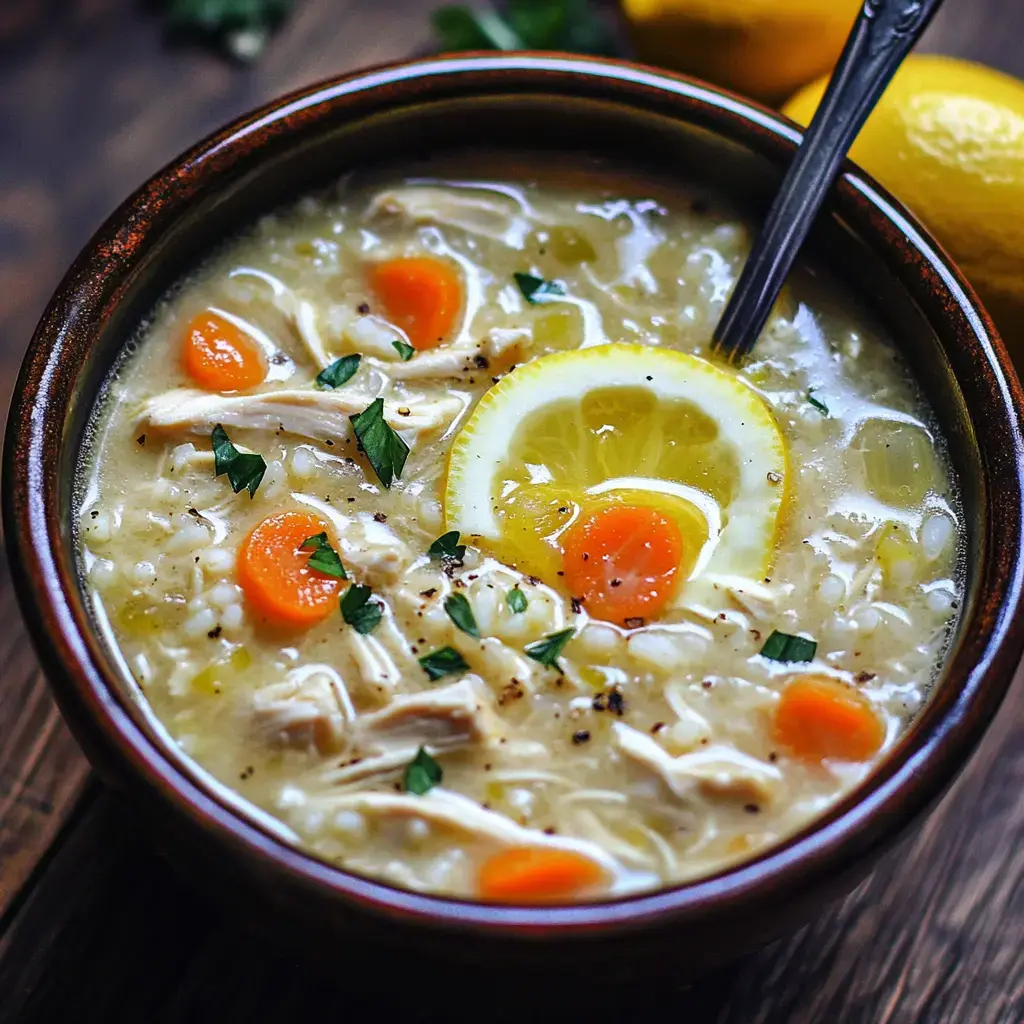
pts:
[93, 100]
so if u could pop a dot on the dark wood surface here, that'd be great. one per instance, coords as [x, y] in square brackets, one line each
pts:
[93, 925]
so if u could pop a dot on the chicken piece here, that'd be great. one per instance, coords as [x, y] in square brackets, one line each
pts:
[714, 771]
[310, 708]
[375, 552]
[450, 716]
[488, 213]
[447, 716]
[376, 668]
[317, 415]
[453, 812]
[438, 362]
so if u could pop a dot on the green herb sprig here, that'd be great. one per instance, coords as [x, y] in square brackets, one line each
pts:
[785, 647]
[341, 371]
[384, 449]
[362, 614]
[324, 558]
[547, 650]
[422, 774]
[460, 611]
[516, 601]
[404, 350]
[536, 289]
[448, 546]
[244, 470]
[443, 662]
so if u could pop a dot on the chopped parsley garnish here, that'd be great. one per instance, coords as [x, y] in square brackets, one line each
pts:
[448, 546]
[547, 650]
[404, 350]
[536, 289]
[244, 469]
[516, 600]
[787, 648]
[341, 371]
[362, 614]
[443, 662]
[461, 613]
[324, 558]
[819, 405]
[422, 774]
[386, 451]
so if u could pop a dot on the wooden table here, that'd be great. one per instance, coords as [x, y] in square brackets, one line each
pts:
[93, 925]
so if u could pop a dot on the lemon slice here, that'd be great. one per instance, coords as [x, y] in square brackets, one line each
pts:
[576, 431]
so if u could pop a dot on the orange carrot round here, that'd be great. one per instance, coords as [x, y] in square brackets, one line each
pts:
[274, 576]
[537, 875]
[421, 295]
[622, 560]
[818, 718]
[220, 356]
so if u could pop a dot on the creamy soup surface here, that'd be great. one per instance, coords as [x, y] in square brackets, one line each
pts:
[575, 611]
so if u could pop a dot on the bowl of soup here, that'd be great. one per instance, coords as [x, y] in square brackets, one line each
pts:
[389, 533]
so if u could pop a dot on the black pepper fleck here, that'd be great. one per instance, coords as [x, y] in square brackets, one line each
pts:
[581, 736]
[379, 517]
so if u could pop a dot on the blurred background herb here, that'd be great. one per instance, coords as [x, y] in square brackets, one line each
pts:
[241, 27]
[573, 25]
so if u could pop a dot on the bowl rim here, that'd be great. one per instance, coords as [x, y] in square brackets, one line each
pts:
[912, 776]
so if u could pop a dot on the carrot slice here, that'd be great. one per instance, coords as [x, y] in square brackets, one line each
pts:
[274, 576]
[537, 875]
[622, 560]
[220, 356]
[421, 295]
[819, 718]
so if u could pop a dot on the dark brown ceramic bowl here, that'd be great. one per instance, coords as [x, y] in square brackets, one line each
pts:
[570, 105]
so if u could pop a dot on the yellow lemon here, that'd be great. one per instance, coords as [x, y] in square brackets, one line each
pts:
[763, 48]
[574, 438]
[948, 140]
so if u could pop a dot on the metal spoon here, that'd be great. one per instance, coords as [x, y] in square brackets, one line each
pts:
[884, 33]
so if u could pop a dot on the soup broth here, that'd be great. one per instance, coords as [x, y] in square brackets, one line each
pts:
[425, 522]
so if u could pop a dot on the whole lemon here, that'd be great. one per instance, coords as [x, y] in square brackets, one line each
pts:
[762, 48]
[948, 140]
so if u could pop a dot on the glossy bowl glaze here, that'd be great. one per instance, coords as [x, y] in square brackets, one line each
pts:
[626, 113]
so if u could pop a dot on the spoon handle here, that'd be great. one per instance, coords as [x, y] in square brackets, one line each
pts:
[884, 33]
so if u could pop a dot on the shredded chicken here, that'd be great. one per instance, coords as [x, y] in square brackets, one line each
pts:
[454, 812]
[310, 708]
[714, 771]
[307, 413]
[492, 214]
[450, 716]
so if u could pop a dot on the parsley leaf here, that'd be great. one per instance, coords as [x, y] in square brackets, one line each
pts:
[448, 546]
[386, 451]
[787, 648]
[819, 405]
[422, 774]
[536, 289]
[243, 26]
[547, 650]
[460, 611]
[516, 600]
[341, 371]
[405, 351]
[362, 614]
[571, 25]
[324, 558]
[443, 662]
[244, 469]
